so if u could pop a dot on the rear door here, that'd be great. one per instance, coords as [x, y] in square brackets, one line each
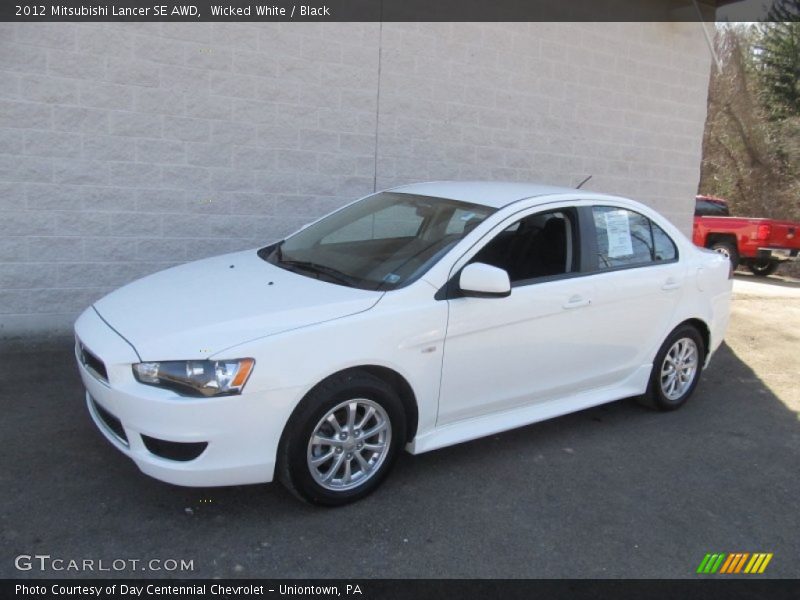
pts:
[638, 282]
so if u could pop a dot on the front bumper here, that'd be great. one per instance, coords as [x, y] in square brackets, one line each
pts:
[779, 254]
[230, 440]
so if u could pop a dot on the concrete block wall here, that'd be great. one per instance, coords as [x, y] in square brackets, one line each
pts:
[129, 147]
[624, 102]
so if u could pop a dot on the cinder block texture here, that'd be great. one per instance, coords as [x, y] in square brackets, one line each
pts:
[623, 102]
[129, 147]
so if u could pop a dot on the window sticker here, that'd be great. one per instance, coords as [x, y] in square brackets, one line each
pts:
[619, 234]
[391, 278]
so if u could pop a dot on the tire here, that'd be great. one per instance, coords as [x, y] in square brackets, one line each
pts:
[360, 461]
[727, 249]
[762, 268]
[661, 394]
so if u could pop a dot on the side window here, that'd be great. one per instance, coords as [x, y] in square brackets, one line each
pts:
[665, 248]
[540, 245]
[626, 238]
[396, 221]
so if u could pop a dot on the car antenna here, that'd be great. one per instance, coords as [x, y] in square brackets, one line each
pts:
[580, 185]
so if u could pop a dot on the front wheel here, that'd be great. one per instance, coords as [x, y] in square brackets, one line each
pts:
[342, 440]
[676, 369]
[762, 268]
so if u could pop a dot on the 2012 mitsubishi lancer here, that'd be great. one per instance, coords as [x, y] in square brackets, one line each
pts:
[416, 318]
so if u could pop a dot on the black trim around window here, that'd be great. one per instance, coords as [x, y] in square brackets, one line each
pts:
[585, 244]
[587, 239]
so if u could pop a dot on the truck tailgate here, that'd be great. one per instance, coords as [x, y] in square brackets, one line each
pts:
[784, 234]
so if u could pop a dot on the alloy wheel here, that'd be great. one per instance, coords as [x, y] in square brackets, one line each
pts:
[349, 444]
[679, 368]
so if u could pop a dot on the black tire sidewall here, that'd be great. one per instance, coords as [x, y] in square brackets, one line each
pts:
[759, 269]
[305, 418]
[655, 392]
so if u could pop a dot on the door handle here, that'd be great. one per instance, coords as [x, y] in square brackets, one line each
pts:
[671, 284]
[577, 301]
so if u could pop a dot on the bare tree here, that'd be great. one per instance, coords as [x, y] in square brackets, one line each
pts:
[749, 157]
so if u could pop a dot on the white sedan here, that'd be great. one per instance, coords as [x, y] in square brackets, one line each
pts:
[416, 318]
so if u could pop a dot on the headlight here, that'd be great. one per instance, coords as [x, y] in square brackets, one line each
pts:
[197, 377]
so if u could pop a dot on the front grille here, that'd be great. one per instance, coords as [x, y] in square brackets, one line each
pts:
[91, 362]
[113, 424]
[178, 451]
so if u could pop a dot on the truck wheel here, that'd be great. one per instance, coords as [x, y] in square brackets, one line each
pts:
[727, 249]
[762, 268]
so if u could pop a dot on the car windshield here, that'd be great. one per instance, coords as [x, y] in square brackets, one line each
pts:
[379, 243]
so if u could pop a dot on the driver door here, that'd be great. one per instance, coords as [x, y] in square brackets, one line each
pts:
[533, 345]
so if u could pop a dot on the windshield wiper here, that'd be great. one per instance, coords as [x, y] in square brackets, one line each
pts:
[318, 269]
[276, 254]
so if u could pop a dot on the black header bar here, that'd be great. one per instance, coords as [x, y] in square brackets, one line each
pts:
[381, 10]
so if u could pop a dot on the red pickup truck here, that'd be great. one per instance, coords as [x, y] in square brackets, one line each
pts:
[759, 244]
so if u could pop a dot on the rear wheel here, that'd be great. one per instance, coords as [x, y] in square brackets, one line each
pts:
[762, 268]
[676, 369]
[342, 440]
[727, 249]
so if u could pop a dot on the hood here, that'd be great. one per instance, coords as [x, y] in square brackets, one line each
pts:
[197, 309]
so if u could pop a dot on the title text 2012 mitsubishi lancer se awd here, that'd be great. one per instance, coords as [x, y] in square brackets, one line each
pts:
[416, 318]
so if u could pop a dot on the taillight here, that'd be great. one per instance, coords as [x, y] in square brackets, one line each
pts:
[764, 231]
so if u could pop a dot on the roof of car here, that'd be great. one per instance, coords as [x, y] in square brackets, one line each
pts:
[490, 193]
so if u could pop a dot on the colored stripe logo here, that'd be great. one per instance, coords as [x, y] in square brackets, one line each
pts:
[736, 562]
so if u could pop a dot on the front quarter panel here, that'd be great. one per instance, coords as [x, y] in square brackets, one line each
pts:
[403, 332]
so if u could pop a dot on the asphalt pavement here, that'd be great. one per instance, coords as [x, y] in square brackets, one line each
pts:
[615, 491]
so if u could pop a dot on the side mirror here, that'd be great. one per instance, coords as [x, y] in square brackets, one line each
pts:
[480, 280]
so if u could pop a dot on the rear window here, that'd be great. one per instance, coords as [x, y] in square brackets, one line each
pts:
[708, 208]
